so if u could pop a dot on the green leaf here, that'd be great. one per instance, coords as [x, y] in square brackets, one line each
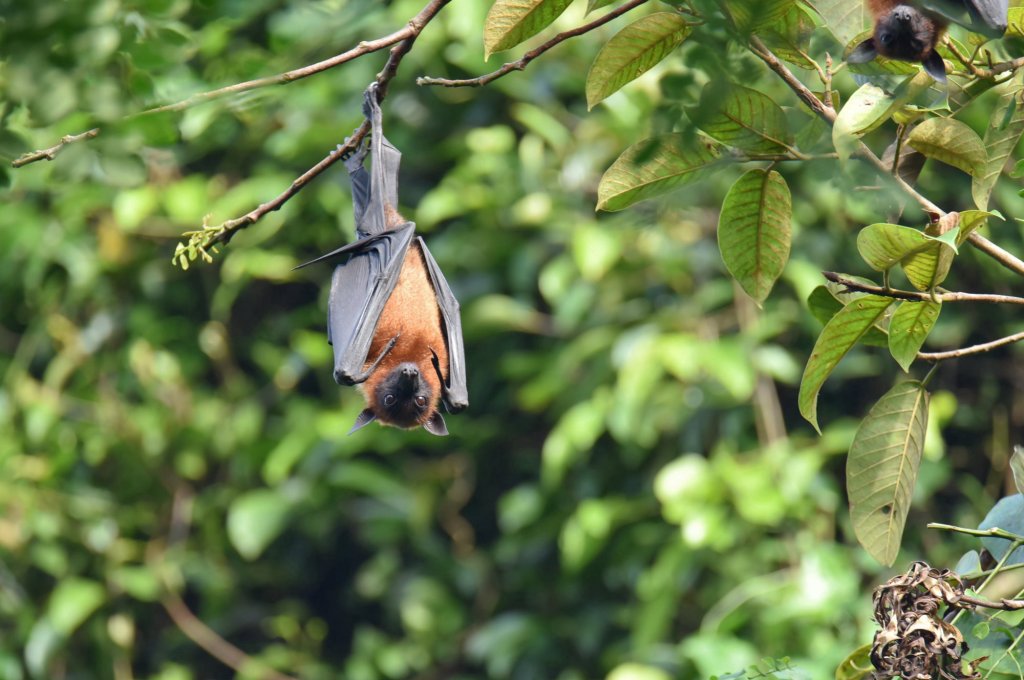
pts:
[908, 328]
[1006, 124]
[837, 338]
[1017, 466]
[825, 301]
[881, 469]
[883, 246]
[857, 665]
[72, 602]
[653, 167]
[632, 52]
[866, 109]
[751, 16]
[788, 36]
[844, 18]
[510, 22]
[929, 266]
[950, 141]
[754, 231]
[743, 118]
[971, 221]
[597, 4]
[255, 519]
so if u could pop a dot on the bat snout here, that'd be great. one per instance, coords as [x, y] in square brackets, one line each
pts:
[903, 14]
[408, 375]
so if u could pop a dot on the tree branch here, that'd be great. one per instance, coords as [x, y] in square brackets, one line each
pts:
[208, 639]
[916, 296]
[973, 349]
[521, 63]
[409, 32]
[828, 114]
[209, 237]
[1004, 604]
[51, 153]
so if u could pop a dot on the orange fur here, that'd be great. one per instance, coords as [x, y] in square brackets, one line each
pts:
[414, 317]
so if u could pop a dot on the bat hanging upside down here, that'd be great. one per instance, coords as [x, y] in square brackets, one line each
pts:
[910, 30]
[392, 319]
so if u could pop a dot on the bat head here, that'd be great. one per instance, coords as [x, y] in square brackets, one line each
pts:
[404, 397]
[905, 33]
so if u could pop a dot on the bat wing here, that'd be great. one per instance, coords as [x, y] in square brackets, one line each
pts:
[360, 287]
[988, 17]
[456, 395]
[385, 159]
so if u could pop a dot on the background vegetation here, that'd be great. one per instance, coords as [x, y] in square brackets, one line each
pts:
[632, 493]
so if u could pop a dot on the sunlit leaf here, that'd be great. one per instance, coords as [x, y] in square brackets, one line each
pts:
[950, 141]
[633, 51]
[255, 519]
[1006, 124]
[754, 231]
[510, 22]
[652, 167]
[844, 18]
[909, 327]
[857, 665]
[837, 338]
[866, 109]
[1017, 466]
[743, 118]
[881, 469]
[883, 246]
[72, 602]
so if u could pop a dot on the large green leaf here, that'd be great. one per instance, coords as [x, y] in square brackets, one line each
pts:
[510, 22]
[910, 325]
[652, 167]
[633, 51]
[1006, 124]
[825, 301]
[750, 16]
[881, 469]
[844, 18]
[255, 519]
[788, 34]
[863, 112]
[754, 231]
[883, 245]
[743, 118]
[950, 141]
[837, 338]
[929, 266]
[73, 601]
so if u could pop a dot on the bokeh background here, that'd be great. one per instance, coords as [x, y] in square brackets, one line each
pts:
[631, 493]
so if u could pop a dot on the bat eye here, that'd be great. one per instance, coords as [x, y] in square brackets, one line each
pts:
[421, 401]
[886, 38]
[389, 400]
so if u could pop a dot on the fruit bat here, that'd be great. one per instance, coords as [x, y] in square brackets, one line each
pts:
[392, 320]
[909, 30]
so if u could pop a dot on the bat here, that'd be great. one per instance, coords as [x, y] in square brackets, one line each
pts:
[910, 31]
[392, 319]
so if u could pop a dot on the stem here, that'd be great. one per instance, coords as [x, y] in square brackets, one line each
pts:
[521, 63]
[51, 153]
[973, 349]
[916, 296]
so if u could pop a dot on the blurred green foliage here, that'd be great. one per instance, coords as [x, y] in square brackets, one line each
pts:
[614, 503]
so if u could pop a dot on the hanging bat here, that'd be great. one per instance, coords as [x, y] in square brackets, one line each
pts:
[392, 319]
[910, 31]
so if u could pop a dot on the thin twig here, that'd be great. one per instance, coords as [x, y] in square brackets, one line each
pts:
[207, 638]
[1004, 604]
[994, 532]
[411, 30]
[916, 296]
[973, 349]
[521, 63]
[51, 153]
[223, 233]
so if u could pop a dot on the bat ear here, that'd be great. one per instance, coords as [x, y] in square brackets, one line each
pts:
[365, 418]
[935, 67]
[863, 52]
[436, 425]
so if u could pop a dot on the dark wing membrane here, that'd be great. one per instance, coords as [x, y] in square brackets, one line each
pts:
[385, 160]
[456, 394]
[360, 288]
[988, 17]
